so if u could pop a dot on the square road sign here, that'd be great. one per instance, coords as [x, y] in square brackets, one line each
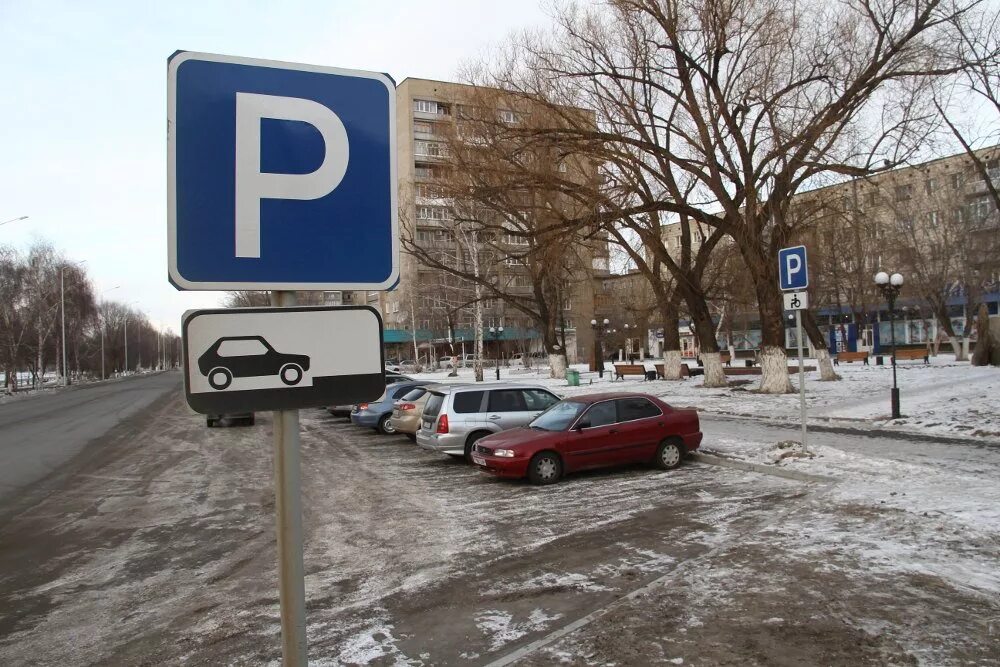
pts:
[253, 359]
[793, 272]
[280, 176]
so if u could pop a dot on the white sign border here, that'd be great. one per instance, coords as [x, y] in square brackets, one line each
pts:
[183, 283]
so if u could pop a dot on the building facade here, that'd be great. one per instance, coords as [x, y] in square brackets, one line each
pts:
[431, 311]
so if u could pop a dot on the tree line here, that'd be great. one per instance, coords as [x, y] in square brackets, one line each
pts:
[35, 285]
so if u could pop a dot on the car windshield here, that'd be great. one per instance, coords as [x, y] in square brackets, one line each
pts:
[559, 416]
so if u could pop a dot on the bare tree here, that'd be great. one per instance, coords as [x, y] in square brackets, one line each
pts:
[743, 104]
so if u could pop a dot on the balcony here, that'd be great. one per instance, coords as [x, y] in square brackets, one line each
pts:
[978, 186]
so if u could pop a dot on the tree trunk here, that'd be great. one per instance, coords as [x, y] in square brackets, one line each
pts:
[956, 347]
[984, 339]
[477, 362]
[708, 345]
[773, 361]
[823, 359]
[557, 356]
[671, 340]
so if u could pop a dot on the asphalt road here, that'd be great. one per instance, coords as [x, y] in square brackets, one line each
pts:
[40, 434]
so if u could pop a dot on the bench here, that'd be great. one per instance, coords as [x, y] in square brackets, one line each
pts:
[912, 355]
[621, 370]
[850, 357]
[685, 371]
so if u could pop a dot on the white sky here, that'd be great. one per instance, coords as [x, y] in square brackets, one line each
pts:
[83, 111]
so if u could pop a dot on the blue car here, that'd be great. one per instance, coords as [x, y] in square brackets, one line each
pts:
[377, 414]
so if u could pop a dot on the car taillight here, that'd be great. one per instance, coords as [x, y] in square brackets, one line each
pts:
[407, 406]
[442, 424]
[362, 406]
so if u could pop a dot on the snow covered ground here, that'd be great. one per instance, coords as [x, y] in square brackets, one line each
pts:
[943, 398]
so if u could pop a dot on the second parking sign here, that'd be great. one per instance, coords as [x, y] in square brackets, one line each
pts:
[254, 359]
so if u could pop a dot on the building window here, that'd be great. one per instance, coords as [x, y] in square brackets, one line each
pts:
[433, 213]
[424, 128]
[508, 116]
[904, 192]
[871, 198]
[428, 106]
[980, 209]
[934, 218]
[513, 261]
[930, 186]
[956, 180]
[514, 239]
[431, 148]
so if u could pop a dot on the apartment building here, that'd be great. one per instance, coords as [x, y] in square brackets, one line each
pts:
[434, 306]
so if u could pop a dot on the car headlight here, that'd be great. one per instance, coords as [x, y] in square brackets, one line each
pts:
[505, 453]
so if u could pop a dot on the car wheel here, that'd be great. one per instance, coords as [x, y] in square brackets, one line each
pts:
[545, 468]
[220, 377]
[209, 422]
[669, 455]
[290, 374]
[471, 443]
[385, 426]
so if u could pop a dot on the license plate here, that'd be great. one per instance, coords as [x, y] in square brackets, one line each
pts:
[479, 460]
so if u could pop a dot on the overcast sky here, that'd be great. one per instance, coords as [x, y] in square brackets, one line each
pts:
[83, 116]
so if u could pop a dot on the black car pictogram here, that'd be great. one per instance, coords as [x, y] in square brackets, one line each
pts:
[249, 356]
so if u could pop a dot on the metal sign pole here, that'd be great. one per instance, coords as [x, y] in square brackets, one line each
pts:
[802, 376]
[288, 506]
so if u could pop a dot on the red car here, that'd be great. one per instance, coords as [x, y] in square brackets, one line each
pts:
[592, 431]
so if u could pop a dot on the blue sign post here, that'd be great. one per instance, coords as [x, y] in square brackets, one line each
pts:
[280, 176]
[792, 269]
[793, 274]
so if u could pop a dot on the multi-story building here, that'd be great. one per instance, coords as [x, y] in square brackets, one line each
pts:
[431, 306]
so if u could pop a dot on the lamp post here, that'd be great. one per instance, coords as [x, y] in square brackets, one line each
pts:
[23, 217]
[62, 307]
[598, 328]
[890, 287]
[496, 333]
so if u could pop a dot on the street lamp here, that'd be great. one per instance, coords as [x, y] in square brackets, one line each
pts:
[23, 217]
[62, 301]
[111, 289]
[598, 328]
[890, 287]
[496, 333]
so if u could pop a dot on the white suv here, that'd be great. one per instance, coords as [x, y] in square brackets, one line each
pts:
[456, 416]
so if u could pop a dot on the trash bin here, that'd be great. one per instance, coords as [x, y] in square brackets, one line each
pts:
[573, 377]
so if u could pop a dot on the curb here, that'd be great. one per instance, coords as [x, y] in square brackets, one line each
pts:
[851, 429]
[764, 469]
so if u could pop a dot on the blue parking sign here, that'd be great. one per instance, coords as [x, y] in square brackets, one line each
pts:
[793, 273]
[280, 176]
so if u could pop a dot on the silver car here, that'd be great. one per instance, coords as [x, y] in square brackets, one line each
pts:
[456, 416]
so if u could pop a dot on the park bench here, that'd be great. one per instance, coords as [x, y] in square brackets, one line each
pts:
[685, 372]
[912, 355]
[621, 370]
[850, 357]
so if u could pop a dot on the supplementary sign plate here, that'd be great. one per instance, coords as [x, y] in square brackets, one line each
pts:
[255, 359]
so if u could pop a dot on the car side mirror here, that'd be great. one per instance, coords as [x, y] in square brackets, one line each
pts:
[582, 425]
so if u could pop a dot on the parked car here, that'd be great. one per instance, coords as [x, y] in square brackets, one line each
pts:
[449, 362]
[456, 416]
[345, 410]
[592, 431]
[407, 411]
[245, 418]
[378, 414]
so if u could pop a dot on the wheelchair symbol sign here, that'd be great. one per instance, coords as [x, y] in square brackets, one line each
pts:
[796, 300]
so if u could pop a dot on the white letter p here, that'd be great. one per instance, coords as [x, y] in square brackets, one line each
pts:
[252, 185]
